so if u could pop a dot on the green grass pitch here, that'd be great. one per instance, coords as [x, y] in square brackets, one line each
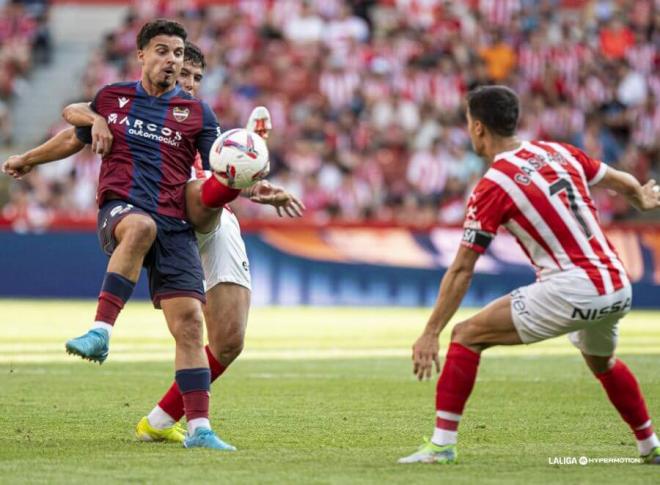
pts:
[320, 396]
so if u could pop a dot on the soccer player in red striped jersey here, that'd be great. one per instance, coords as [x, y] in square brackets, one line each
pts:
[539, 191]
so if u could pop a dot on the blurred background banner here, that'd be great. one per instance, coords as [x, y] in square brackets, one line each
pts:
[368, 113]
[311, 265]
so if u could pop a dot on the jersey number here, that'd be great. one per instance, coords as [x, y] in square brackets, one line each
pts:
[563, 184]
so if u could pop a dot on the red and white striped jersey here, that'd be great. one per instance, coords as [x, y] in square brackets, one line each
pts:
[197, 172]
[539, 192]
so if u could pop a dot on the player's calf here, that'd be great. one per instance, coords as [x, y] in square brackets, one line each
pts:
[626, 396]
[193, 376]
[226, 315]
[126, 233]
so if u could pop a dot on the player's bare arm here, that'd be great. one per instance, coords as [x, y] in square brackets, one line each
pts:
[453, 287]
[81, 114]
[642, 197]
[62, 145]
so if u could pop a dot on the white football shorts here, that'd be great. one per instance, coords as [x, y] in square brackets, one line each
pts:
[223, 254]
[567, 303]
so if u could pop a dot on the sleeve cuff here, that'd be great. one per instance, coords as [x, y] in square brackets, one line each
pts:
[602, 169]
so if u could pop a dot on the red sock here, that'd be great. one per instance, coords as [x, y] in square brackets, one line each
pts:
[172, 402]
[215, 194]
[115, 292]
[108, 308]
[196, 404]
[626, 396]
[453, 390]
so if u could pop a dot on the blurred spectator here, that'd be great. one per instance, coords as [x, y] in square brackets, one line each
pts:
[367, 96]
[24, 42]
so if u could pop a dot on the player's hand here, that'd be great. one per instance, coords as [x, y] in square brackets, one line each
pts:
[101, 137]
[16, 166]
[424, 355]
[264, 192]
[650, 196]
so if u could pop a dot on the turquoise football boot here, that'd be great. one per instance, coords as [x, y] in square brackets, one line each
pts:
[92, 346]
[206, 438]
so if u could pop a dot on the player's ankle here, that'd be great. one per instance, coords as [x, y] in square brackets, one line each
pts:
[159, 419]
[103, 326]
[196, 423]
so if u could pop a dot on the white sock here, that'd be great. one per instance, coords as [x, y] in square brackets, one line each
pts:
[159, 419]
[193, 424]
[106, 326]
[442, 436]
[645, 446]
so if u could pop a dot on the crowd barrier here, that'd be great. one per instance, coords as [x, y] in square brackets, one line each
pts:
[315, 265]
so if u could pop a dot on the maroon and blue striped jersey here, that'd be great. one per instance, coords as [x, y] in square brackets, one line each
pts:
[155, 143]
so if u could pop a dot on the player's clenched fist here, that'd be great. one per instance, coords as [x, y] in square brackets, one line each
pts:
[16, 166]
[424, 355]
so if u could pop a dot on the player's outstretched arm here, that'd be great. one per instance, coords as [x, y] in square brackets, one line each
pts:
[82, 115]
[62, 145]
[455, 284]
[263, 192]
[642, 197]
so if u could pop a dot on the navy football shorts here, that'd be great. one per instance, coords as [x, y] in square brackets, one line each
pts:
[172, 263]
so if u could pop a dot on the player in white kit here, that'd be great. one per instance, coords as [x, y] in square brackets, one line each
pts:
[539, 191]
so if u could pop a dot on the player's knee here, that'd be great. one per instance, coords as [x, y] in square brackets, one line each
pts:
[460, 333]
[599, 364]
[231, 347]
[141, 234]
[227, 344]
[188, 329]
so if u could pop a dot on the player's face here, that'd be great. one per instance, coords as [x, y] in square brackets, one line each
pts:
[476, 131]
[191, 77]
[162, 60]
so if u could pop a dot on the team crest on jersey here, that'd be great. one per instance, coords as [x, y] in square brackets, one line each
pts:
[123, 101]
[180, 114]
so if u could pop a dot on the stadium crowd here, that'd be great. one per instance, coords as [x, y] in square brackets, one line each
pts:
[24, 42]
[367, 96]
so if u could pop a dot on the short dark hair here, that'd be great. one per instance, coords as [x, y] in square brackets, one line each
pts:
[497, 107]
[194, 54]
[159, 27]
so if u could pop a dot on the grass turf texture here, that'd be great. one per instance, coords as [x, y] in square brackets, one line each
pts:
[322, 396]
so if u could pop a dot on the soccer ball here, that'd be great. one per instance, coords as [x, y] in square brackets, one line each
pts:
[239, 158]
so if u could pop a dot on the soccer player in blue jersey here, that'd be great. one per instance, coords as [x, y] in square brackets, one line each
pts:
[222, 250]
[157, 129]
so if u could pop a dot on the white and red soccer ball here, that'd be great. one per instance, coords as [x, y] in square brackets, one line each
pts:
[239, 158]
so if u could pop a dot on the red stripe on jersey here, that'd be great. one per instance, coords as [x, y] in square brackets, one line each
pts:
[578, 183]
[524, 223]
[197, 167]
[556, 224]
